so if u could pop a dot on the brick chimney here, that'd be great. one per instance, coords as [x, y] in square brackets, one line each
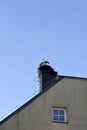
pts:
[46, 74]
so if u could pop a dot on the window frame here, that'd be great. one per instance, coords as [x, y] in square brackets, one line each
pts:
[65, 114]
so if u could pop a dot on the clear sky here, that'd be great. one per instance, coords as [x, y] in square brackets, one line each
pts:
[31, 30]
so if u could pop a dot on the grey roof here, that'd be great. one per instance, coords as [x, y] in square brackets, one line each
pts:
[48, 86]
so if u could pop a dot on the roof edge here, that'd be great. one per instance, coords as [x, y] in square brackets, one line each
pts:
[74, 77]
[32, 99]
[36, 96]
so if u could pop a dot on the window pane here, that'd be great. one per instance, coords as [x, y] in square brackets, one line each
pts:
[61, 118]
[55, 112]
[61, 112]
[55, 118]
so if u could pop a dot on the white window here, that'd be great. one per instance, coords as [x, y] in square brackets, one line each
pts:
[59, 115]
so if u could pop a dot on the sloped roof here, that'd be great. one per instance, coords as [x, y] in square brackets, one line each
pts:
[51, 84]
[48, 86]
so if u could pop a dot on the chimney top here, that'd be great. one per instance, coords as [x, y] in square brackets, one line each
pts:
[46, 74]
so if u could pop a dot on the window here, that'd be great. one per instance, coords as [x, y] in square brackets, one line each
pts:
[59, 115]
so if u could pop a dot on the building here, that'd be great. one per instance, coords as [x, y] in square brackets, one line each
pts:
[60, 105]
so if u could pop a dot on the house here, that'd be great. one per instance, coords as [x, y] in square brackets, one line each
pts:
[60, 105]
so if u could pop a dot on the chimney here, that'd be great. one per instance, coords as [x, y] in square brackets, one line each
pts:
[46, 74]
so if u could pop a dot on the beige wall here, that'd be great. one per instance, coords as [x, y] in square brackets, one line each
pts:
[70, 93]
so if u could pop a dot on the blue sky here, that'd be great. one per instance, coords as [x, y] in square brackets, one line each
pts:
[31, 30]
